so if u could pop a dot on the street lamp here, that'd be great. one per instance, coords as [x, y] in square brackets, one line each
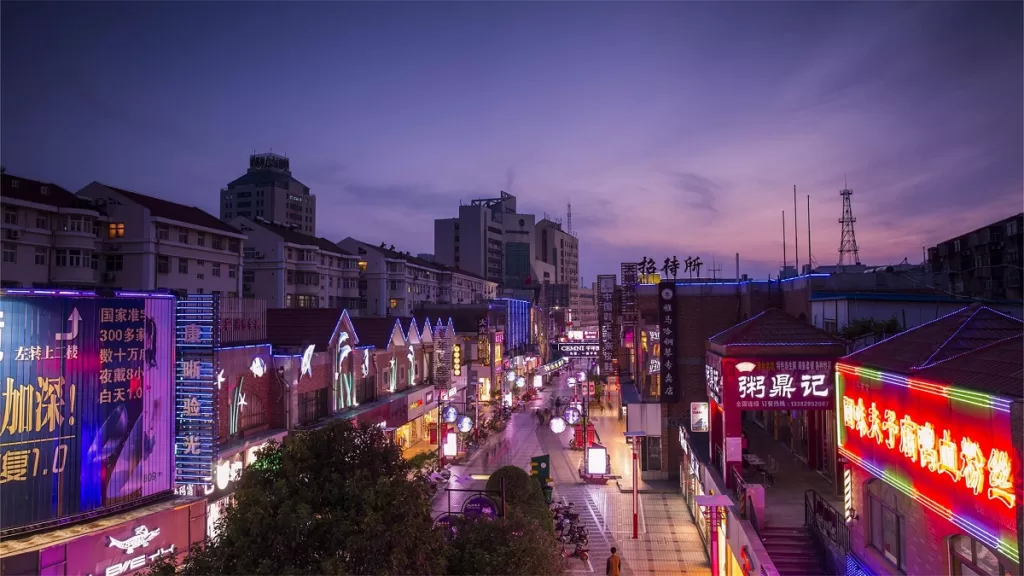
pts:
[634, 438]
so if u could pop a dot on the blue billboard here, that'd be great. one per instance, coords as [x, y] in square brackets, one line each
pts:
[86, 400]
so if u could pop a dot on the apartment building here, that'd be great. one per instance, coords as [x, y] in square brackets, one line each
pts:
[397, 283]
[984, 263]
[152, 243]
[290, 269]
[585, 315]
[268, 190]
[50, 236]
[475, 240]
[560, 249]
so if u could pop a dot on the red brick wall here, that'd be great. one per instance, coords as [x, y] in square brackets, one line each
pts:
[236, 363]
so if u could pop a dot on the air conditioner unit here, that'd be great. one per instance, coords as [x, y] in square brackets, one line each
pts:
[259, 255]
[14, 234]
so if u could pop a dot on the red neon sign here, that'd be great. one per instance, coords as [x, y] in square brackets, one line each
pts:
[956, 457]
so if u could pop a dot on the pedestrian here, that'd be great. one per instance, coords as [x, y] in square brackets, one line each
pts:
[614, 565]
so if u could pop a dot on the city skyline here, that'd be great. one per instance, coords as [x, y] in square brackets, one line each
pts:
[674, 129]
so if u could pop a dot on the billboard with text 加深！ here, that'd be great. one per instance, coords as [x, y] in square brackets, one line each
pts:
[86, 401]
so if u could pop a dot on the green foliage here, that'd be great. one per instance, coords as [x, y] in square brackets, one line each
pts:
[865, 326]
[423, 460]
[326, 506]
[511, 545]
[522, 493]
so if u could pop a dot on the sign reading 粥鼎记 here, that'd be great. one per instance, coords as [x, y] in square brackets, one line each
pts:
[85, 389]
[797, 384]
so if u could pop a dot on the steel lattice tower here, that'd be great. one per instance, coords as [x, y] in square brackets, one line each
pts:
[848, 252]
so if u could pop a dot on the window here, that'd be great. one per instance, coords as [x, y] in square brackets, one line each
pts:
[290, 254]
[972, 558]
[393, 284]
[162, 232]
[10, 253]
[233, 246]
[73, 259]
[41, 256]
[94, 261]
[393, 303]
[42, 223]
[182, 265]
[115, 262]
[201, 239]
[11, 216]
[200, 263]
[1011, 228]
[163, 265]
[200, 277]
[115, 230]
[232, 271]
[218, 243]
[215, 269]
[885, 527]
[183, 236]
[75, 224]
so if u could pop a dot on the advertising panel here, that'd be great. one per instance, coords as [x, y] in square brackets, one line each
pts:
[605, 295]
[242, 320]
[196, 395]
[87, 403]
[790, 384]
[670, 391]
[579, 349]
[950, 450]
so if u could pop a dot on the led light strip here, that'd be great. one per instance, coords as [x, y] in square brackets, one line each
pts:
[971, 397]
[1007, 548]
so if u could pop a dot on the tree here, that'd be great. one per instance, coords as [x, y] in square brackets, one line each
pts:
[325, 503]
[512, 545]
[864, 326]
[522, 493]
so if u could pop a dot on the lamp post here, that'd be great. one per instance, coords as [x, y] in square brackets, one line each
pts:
[634, 439]
[714, 505]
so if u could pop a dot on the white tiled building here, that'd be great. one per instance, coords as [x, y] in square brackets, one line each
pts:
[50, 236]
[290, 269]
[397, 283]
[152, 243]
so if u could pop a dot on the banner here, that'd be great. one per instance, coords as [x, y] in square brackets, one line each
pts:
[87, 404]
[670, 391]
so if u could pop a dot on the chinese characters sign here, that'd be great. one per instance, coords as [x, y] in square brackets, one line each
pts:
[668, 330]
[605, 294]
[241, 320]
[198, 382]
[713, 377]
[776, 384]
[84, 398]
[579, 349]
[630, 313]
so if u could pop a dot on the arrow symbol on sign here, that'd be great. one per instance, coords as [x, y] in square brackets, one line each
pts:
[75, 318]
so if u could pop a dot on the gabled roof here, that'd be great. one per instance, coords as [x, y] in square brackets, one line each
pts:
[412, 334]
[172, 210]
[377, 331]
[293, 236]
[997, 368]
[397, 255]
[965, 330]
[300, 327]
[26, 190]
[775, 328]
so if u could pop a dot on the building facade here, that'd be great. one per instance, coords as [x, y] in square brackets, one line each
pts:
[475, 240]
[268, 190]
[290, 269]
[50, 236]
[156, 244]
[984, 263]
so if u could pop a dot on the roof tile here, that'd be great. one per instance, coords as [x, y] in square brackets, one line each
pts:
[997, 368]
[375, 330]
[32, 191]
[300, 327]
[772, 327]
[173, 211]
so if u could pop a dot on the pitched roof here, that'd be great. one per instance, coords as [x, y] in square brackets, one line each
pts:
[965, 330]
[997, 368]
[172, 210]
[375, 330]
[39, 192]
[300, 327]
[398, 255]
[773, 327]
[293, 236]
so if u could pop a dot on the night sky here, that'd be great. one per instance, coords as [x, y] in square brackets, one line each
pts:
[673, 128]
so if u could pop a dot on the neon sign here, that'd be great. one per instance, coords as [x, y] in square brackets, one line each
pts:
[456, 360]
[918, 443]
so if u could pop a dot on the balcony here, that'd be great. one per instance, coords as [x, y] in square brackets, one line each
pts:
[74, 276]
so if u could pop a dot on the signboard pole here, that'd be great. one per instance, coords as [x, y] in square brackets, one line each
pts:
[636, 491]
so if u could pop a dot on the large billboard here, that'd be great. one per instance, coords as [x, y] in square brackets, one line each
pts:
[87, 402]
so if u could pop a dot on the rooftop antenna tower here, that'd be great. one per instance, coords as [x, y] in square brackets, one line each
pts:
[568, 219]
[715, 269]
[849, 254]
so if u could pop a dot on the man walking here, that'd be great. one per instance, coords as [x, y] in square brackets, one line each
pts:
[614, 565]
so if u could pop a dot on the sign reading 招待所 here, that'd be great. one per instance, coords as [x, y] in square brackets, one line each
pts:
[579, 349]
[667, 331]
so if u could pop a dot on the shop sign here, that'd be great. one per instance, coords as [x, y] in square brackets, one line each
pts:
[579, 349]
[198, 383]
[242, 320]
[713, 378]
[670, 385]
[778, 384]
[605, 294]
[951, 450]
[480, 505]
[698, 416]
[85, 382]
[127, 548]
[654, 366]
[574, 335]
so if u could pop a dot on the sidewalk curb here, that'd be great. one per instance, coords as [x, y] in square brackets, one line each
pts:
[629, 490]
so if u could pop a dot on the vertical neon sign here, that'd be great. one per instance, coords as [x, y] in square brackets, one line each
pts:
[196, 392]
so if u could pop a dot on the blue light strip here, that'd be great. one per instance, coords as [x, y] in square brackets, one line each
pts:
[195, 445]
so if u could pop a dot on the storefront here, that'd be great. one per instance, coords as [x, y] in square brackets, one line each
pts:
[232, 459]
[422, 415]
[117, 545]
[933, 483]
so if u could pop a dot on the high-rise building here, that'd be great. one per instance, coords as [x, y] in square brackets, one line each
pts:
[985, 263]
[560, 250]
[268, 190]
[475, 240]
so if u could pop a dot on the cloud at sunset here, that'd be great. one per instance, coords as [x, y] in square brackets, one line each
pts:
[673, 128]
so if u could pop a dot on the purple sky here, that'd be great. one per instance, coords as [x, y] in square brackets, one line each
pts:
[674, 128]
